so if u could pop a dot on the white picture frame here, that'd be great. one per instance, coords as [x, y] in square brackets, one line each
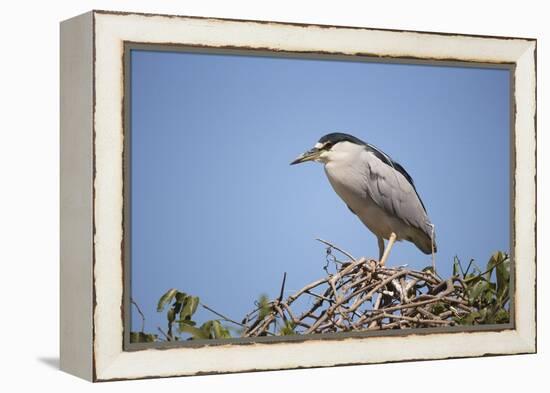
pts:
[92, 194]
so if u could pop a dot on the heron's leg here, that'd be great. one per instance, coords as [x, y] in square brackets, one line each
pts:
[392, 239]
[380, 247]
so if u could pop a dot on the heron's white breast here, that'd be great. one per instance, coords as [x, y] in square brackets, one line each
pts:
[347, 171]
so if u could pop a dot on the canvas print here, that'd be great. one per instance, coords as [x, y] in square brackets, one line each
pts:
[284, 197]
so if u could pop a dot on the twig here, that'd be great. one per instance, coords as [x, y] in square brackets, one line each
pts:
[468, 268]
[417, 320]
[282, 288]
[337, 248]
[227, 319]
[320, 297]
[486, 271]
[140, 313]
[164, 334]
[375, 307]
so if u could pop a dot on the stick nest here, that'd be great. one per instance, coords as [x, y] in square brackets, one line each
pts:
[361, 294]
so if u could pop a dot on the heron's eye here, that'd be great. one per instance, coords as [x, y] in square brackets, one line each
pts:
[327, 145]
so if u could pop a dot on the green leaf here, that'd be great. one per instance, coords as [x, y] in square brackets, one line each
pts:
[438, 308]
[491, 265]
[171, 315]
[489, 295]
[501, 316]
[482, 315]
[473, 279]
[217, 329]
[206, 329]
[503, 275]
[190, 306]
[177, 306]
[468, 319]
[187, 322]
[477, 290]
[187, 311]
[211, 330]
[166, 299]
[265, 307]
[141, 337]
[288, 329]
[225, 332]
[196, 333]
[429, 269]
[180, 297]
[482, 287]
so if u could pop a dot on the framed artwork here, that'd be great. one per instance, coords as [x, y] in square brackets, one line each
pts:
[403, 228]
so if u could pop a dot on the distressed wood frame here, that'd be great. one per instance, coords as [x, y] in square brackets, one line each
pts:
[92, 190]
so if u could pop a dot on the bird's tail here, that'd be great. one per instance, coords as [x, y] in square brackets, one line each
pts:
[426, 241]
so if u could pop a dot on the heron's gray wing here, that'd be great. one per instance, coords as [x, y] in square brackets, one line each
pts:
[393, 191]
[388, 160]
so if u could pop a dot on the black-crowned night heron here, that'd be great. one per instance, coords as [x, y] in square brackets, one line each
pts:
[376, 189]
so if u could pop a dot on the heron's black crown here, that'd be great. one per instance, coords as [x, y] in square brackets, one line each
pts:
[336, 137]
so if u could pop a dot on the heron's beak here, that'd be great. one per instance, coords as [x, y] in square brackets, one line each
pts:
[309, 155]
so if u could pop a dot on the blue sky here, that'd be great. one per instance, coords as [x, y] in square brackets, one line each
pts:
[218, 212]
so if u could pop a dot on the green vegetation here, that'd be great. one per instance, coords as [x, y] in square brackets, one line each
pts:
[487, 292]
